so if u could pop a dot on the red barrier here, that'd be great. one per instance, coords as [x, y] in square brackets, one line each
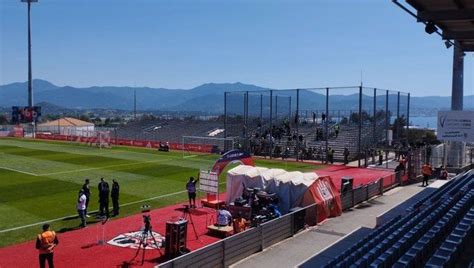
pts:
[202, 148]
[17, 131]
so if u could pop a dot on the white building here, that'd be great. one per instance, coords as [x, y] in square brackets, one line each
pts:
[67, 126]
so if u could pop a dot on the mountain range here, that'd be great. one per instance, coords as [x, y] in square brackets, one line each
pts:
[206, 98]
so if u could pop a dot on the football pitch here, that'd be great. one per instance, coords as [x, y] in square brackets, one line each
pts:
[39, 181]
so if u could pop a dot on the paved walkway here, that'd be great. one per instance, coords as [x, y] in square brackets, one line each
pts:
[295, 250]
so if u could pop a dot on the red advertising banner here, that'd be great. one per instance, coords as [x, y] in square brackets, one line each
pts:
[202, 148]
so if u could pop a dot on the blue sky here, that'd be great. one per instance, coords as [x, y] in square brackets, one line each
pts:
[185, 43]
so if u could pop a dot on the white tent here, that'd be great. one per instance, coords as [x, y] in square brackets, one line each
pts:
[291, 187]
[240, 177]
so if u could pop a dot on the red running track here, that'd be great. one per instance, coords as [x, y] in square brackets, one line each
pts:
[362, 176]
[79, 248]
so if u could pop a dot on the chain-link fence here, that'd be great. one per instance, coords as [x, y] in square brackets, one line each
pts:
[336, 123]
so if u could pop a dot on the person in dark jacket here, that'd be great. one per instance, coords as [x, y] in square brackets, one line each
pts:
[104, 198]
[114, 194]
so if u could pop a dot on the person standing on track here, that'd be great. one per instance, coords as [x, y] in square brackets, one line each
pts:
[114, 194]
[191, 188]
[45, 244]
[87, 193]
[104, 198]
[81, 207]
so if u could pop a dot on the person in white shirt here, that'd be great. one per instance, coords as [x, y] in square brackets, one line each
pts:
[81, 207]
[224, 218]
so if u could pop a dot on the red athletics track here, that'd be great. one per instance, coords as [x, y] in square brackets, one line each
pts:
[362, 176]
[79, 248]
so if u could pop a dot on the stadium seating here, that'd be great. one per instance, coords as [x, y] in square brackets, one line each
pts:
[434, 232]
[166, 130]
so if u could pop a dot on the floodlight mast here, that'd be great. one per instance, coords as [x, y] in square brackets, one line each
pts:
[30, 82]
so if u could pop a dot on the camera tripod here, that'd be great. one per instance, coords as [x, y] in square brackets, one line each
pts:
[187, 216]
[144, 235]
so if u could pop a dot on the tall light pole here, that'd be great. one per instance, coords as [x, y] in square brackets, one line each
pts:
[30, 86]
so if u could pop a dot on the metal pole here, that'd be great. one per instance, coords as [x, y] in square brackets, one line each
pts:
[276, 108]
[30, 82]
[271, 122]
[289, 109]
[398, 115]
[225, 114]
[261, 108]
[297, 123]
[246, 114]
[326, 124]
[457, 83]
[135, 104]
[408, 119]
[386, 118]
[359, 145]
[374, 133]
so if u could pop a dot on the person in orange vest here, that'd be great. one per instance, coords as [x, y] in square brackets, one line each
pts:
[45, 243]
[426, 170]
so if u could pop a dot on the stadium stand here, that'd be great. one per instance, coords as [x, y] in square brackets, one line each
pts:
[436, 231]
[170, 130]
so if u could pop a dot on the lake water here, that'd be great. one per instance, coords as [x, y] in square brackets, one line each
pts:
[424, 121]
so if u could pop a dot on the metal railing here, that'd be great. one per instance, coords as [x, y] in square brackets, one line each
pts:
[233, 249]
[363, 193]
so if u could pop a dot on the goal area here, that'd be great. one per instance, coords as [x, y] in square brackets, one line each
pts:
[99, 139]
[191, 145]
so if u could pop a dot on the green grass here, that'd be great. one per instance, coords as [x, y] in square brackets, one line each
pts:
[39, 181]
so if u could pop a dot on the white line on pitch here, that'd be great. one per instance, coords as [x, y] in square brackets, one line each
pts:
[20, 171]
[190, 156]
[102, 167]
[66, 217]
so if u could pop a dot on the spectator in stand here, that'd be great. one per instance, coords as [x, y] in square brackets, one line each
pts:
[323, 117]
[314, 117]
[87, 193]
[380, 157]
[45, 244]
[346, 156]
[330, 155]
[81, 207]
[336, 130]
[114, 194]
[426, 170]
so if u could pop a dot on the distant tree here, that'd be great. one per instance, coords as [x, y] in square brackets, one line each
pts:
[107, 122]
[84, 117]
[97, 121]
[3, 119]
[399, 127]
[354, 117]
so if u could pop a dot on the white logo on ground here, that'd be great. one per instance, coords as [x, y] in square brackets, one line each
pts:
[133, 239]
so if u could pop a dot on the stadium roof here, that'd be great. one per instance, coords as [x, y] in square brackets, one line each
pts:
[455, 18]
[67, 122]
